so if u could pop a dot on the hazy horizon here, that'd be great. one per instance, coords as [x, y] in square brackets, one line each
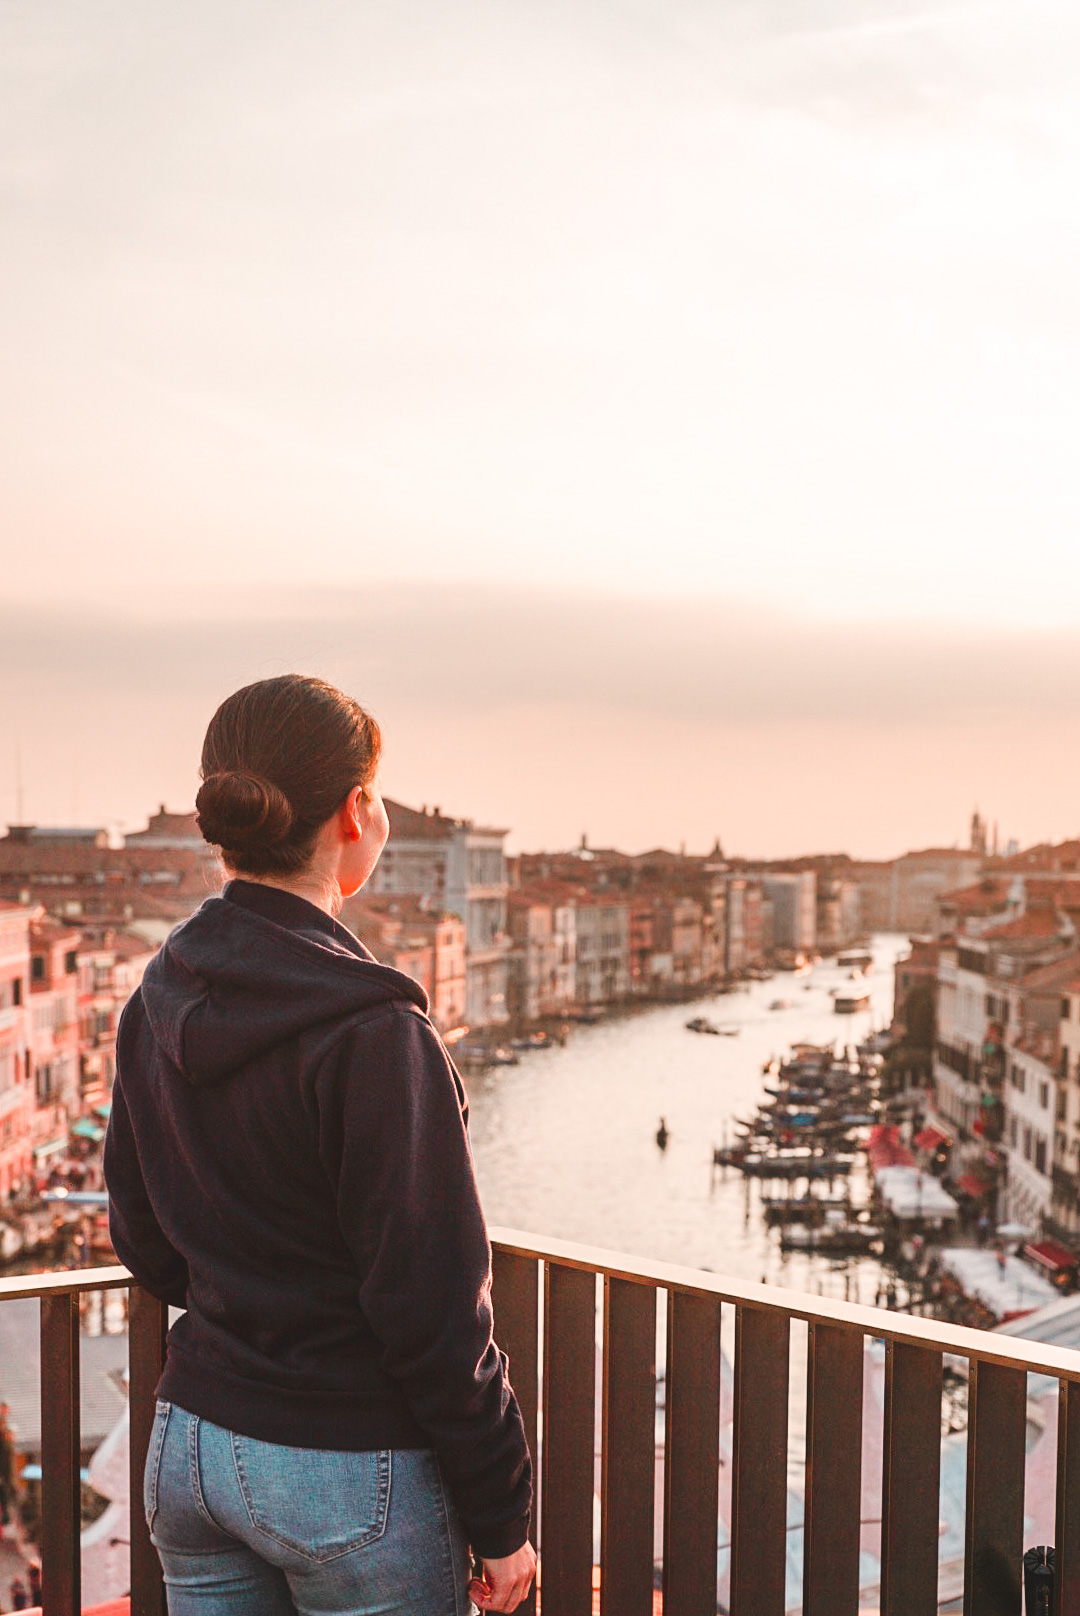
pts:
[553, 714]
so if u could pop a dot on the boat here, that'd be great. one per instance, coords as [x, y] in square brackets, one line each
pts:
[809, 1208]
[702, 1024]
[841, 1239]
[855, 959]
[469, 1054]
[532, 1040]
[848, 1001]
[797, 1165]
[781, 1004]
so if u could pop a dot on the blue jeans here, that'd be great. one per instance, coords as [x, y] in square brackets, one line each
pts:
[247, 1528]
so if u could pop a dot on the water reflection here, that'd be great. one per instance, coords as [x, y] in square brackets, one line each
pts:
[565, 1142]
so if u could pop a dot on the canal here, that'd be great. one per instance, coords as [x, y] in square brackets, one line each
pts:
[565, 1141]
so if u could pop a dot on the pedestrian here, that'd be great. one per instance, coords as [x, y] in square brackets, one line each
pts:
[20, 1599]
[287, 1159]
[33, 1574]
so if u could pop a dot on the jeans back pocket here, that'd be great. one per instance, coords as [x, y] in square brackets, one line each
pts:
[317, 1502]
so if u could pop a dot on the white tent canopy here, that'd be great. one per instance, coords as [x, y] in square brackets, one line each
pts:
[1007, 1286]
[908, 1193]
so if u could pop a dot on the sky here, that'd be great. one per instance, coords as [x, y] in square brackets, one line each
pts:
[663, 413]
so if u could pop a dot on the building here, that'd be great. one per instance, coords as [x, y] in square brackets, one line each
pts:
[110, 967]
[78, 877]
[1066, 1165]
[460, 868]
[543, 931]
[919, 967]
[987, 1000]
[403, 931]
[918, 881]
[168, 830]
[16, 1089]
[838, 919]
[794, 909]
[602, 955]
[1030, 1097]
[54, 1032]
[877, 908]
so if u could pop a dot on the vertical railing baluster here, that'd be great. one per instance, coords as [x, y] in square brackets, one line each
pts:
[1067, 1552]
[60, 1456]
[629, 1449]
[834, 1393]
[691, 1454]
[566, 1494]
[759, 1462]
[148, 1321]
[997, 1428]
[911, 1480]
[515, 1292]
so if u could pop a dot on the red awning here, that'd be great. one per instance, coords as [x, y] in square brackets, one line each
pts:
[1050, 1254]
[931, 1138]
[968, 1184]
[885, 1150]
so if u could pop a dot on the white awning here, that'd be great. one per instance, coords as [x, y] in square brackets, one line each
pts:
[52, 1147]
[909, 1193]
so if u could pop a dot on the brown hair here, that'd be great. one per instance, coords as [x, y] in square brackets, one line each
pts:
[279, 757]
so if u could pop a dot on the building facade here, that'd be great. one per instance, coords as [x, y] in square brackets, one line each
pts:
[16, 1089]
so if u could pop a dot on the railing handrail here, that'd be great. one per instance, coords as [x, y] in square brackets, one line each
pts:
[1035, 1357]
[65, 1283]
[557, 1353]
[1038, 1358]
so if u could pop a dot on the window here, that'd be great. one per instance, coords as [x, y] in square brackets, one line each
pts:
[16, 991]
[37, 968]
[1027, 1144]
[1044, 1095]
[70, 963]
[1040, 1155]
[1013, 1132]
[1066, 1005]
[1061, 1103]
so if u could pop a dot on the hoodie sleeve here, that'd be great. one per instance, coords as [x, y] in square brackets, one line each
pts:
[392, 1136]
[136, 1234]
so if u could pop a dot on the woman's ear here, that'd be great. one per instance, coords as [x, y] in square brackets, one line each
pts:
[351, 814]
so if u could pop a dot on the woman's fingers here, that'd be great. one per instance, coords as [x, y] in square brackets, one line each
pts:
[506, 1581]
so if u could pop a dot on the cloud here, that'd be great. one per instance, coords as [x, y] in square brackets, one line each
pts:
[484, 649]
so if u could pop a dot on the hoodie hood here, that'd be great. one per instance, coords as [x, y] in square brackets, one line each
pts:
[255, 968]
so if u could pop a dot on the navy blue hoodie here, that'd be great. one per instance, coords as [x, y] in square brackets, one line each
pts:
[287, 1160]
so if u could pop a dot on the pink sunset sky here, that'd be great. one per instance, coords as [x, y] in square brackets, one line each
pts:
[664, 415]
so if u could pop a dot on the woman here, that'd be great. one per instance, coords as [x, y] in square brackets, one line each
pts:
[287, 1160]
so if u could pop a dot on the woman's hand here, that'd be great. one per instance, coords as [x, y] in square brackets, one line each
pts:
[505, 1582]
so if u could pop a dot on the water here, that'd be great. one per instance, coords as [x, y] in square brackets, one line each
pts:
[565, 1141]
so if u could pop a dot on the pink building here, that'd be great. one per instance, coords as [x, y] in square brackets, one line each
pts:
[54, 1032]
[16, 1092]
[110, 967]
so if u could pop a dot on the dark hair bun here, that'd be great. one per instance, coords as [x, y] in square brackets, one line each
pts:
[238, 810]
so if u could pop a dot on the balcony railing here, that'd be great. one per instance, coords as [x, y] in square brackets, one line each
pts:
[546, 1307]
